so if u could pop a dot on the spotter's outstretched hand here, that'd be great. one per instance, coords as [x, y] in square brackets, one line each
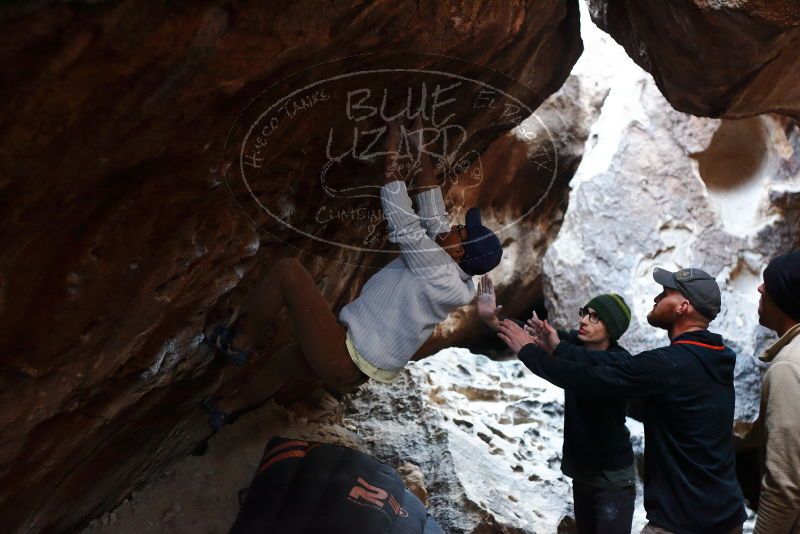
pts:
[513, 335]
[545, 335]
[486, 302]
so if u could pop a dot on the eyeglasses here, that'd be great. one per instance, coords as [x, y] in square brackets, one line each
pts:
[461, 232]
[593, 317]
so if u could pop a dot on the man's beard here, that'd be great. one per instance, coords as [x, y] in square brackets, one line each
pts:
[654, 319]
[762, 313]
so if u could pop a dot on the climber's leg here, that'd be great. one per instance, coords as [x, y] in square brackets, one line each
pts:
[287, 283]
[283, 365]
[316, 329]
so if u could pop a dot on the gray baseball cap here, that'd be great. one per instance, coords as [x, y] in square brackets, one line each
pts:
[697, 286]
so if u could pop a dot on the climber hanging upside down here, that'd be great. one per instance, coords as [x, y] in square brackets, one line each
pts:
[376, 335]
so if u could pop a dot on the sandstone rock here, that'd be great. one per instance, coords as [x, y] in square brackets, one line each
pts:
[200, 493]
[713, 58]
[414, 479]
[657, 187]
[486, 434]
[121, 240]
[482, 436]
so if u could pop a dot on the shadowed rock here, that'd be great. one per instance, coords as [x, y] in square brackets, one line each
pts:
[721, 58]
[121, 240]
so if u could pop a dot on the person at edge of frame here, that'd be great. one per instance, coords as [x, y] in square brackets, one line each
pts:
[779, 419]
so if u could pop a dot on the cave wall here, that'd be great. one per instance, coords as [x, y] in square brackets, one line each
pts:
[713, 58]
[127, 231]
[457, 419]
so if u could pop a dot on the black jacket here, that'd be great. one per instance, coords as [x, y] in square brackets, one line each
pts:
[690, 481]
[595, 436]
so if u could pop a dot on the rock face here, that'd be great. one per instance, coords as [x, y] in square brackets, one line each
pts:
[713, 58]
[486, 434]
[481, 438]
[657, 187]
[124, 135]
[200, 493]
[156, 160]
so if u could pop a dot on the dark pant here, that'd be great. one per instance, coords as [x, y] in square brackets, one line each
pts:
[603, 510]
[320, 337]
[319, 351]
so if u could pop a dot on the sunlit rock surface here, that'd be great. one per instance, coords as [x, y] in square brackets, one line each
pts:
[657, 187]
[487, 434]
[713, 58]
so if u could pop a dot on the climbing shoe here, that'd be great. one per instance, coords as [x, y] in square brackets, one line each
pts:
[221, 338]
[216, 417]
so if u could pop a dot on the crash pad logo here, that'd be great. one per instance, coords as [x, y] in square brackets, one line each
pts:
[364, 493]
[306, 157]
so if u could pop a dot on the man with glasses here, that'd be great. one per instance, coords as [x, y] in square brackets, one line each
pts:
[687, 390]
[597, 453]
[376, 335]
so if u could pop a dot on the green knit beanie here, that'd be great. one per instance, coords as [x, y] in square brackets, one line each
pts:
[614, 313]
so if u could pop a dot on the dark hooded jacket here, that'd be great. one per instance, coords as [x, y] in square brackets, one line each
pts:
[690, 481]
[595, 436]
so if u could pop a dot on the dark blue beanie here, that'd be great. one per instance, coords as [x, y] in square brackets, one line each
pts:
[482, 248]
